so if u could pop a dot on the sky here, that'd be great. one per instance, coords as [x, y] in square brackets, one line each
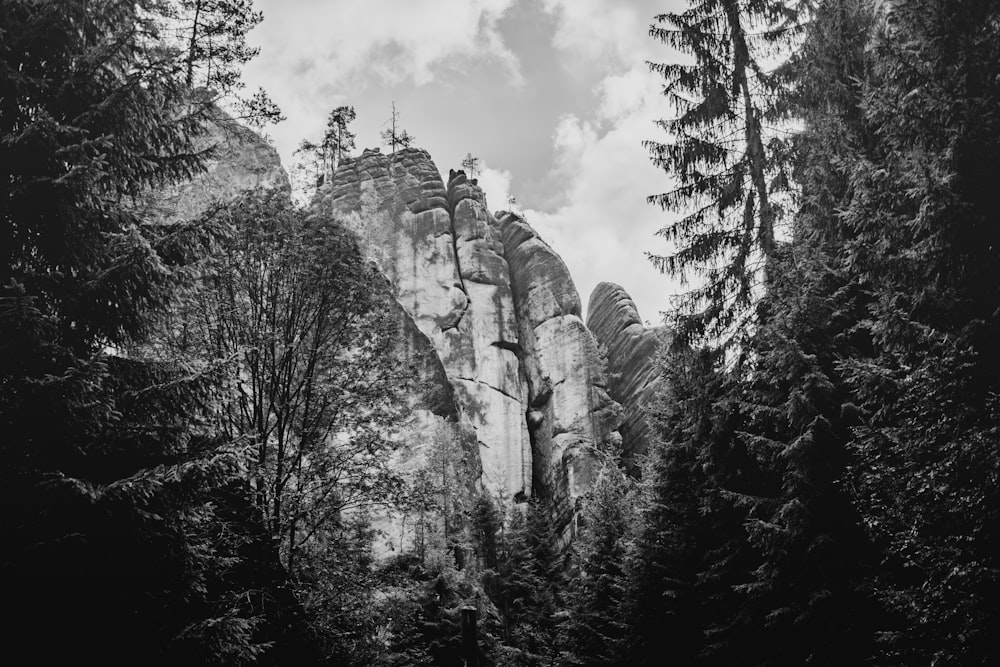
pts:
[553, 97]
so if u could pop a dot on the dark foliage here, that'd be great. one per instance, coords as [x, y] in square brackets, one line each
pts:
[109, 470]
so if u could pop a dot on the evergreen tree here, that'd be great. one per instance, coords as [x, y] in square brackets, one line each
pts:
[814, 555]
[110, 470]
[726, 162]
[527, 588]
[470, 164]
[395, 137]
[593, 631]
[691, 557]
[212, 37]
[485, 527]
[923, 212]
[338, 140]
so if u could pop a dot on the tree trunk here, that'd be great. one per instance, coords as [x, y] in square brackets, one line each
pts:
[191, 44]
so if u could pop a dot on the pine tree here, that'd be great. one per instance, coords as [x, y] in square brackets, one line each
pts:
[923, 212]
[338, 140]
[593, 632]
[726, 161]
[212, 38]
[109, 466]
[527, 586]
[691, 556]
[470, 164]
[395, 137]
[485, 527]
[814, 554]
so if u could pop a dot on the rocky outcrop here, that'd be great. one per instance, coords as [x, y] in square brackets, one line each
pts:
[440, 250]
[237, 161]
[501, 311]
[510, 393]
[633, 371]
[571, 418]
[434, 434]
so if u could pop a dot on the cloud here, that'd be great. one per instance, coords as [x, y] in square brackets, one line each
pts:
[571, 140]
[495, 184]
[605, 227]
[340, 40]
[624, 95]
[317, 54]
[599, 30]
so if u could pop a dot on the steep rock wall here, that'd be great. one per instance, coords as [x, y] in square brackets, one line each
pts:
[633, 371]
[571, 417]
[433, 427]
[238, 161]
[500, 309]
[439, 248]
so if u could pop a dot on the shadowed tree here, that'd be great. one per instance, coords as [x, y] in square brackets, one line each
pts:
[109, 465]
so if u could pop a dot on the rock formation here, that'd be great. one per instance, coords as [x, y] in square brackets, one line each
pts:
[633, 371]
[570, 415]
[439, 251]
[509, 381]
[500, 309]
[238, 161]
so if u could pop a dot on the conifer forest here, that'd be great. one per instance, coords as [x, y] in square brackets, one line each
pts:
[208, 409]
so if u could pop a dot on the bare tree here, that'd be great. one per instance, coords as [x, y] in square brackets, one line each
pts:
[394, 137]
[470, 164]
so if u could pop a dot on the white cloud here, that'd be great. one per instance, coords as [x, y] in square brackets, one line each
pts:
[599, 30]
[571, 140]
[320, 53]
[397, 40]
[495, 184]
[627, 93]
[605, 226]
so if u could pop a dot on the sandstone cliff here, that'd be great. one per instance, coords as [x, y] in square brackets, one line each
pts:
[500, 309]
[570, 415]
[439, 251]
[238, 161]
[633, 371]
[509, 381]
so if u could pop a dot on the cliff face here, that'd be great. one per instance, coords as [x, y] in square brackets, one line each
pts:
[502, 313]
[633, 371]
[438, 249]
[510, 383]
[570, 415]
[238, 161]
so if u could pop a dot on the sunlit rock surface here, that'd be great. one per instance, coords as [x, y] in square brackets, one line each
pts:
[633, 371]
[440, 250]
[501, 311]
[572, 419]
[238, 161]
